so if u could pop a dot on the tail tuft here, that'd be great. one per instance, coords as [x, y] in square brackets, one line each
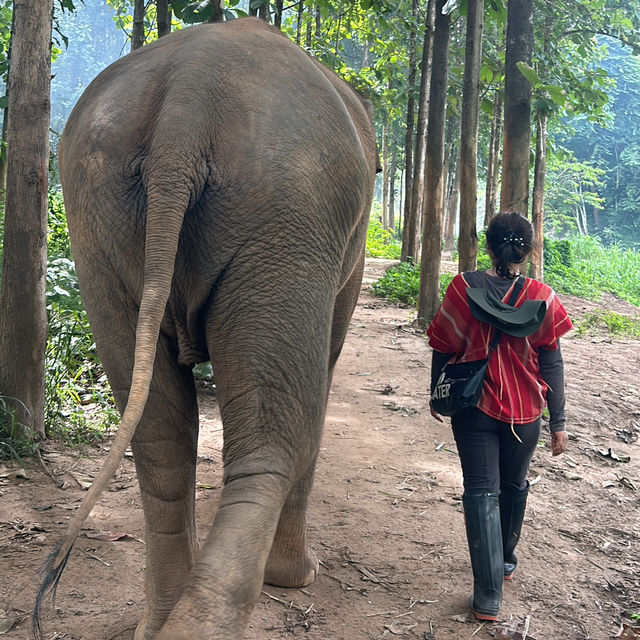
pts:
[51, 572]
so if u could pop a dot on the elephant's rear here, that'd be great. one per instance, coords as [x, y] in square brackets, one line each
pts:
[220, 216]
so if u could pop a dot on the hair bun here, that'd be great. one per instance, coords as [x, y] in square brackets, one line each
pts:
[512, 238]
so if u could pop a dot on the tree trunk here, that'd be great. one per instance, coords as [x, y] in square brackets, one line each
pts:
[445, 187]
[262, 11]
[410, 233]
[163, 13]
[467, 236]
[429, 297]
[493, 161]
[217, 14]
[309, 29]
[517, 109]
[5, 125]
[536, 260]
[23, 317]
[385, 172]
[137, 30]
[392, 177]
[277, 20]
[410, 124]
[299, 22]
[452, 208]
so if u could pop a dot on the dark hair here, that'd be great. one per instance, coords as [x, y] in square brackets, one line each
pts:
[510, 240]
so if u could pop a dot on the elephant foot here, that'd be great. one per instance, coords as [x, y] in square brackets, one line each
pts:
[149, 627]
[291, 570]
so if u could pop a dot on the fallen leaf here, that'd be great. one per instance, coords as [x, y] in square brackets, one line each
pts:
[46, 507]
[626, 435]
[6, 622]
[84, 481]
[625, 482]
[399, 629]
[202, 485]
[14, 474]
[108, 536]
[571, 476]
[609, 453]
[465, 617]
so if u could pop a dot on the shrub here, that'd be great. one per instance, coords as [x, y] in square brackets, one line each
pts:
[14, 443]
[74, 378]
[585, 268]
[401, 283]
[381, 242]
[609, 322]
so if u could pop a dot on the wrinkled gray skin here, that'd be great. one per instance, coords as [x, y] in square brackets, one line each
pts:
[225, 171]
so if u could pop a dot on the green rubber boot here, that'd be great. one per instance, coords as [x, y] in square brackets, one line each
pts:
[513, 503]
[482, 516]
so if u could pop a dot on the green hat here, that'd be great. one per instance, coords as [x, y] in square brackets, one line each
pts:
[519, 321]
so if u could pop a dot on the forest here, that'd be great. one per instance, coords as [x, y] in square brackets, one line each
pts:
[568, 102]
[479, 107]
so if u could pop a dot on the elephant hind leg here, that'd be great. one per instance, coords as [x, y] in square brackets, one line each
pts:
[272, 394]
[292, 563]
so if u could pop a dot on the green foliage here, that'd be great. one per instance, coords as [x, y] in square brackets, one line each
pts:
[608, 322]
[584, 267]
[14, 441]
[401, 283]
[73, 375]
[381, 242]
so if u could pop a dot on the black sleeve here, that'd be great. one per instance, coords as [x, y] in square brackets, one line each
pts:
[552, 372]
[438, 360]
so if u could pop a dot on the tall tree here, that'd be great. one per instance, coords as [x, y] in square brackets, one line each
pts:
[453, 202]
[277, 20]
[467, 236]
[5, 117]
[411, 227]
[410, 120]
[514, 195]
[163, 13]
[23, 319]
[493, 159]
[137, 31]
[393, 167]
[385, 172]
[429, 296]
[536, 269]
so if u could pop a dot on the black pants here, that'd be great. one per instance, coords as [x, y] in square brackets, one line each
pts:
[490, 455]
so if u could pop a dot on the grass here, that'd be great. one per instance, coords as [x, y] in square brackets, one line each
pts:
[585, 268]
[14, 441]
[604, 322]
[581, 266]
[381, 242]
[401, 283]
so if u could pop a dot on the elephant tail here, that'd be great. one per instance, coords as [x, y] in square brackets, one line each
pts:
[165, 213]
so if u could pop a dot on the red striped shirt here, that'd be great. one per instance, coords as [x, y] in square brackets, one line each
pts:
[513, 390]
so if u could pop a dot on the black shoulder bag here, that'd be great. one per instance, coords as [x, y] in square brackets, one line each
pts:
[459, 386]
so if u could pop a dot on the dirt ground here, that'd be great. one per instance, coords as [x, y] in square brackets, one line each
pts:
[385, 520]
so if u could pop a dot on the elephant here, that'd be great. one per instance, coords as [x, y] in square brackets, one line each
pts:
[217, 185]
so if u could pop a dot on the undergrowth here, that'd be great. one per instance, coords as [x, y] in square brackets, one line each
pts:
[14, 443]
[581, 266]
[79, 406]
[401, 283]
[607, 322]
[381, 242]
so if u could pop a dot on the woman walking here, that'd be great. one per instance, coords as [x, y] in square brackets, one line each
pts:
[497, 438]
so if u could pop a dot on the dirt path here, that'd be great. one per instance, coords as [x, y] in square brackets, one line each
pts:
[386, 519]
